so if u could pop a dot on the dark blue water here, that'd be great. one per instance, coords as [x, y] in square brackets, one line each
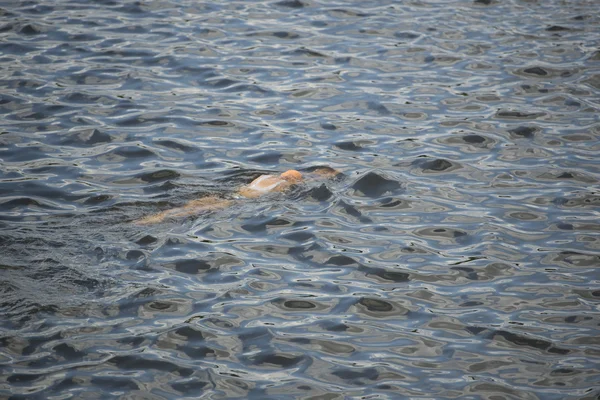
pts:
[456, 256]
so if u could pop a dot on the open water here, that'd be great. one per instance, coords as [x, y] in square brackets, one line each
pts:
[457, 256]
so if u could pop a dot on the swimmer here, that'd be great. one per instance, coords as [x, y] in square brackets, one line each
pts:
[261, 186]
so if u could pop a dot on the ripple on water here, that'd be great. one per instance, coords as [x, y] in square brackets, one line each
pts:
[454, 256]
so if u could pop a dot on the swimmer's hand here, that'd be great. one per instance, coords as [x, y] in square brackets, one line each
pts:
[326, 172]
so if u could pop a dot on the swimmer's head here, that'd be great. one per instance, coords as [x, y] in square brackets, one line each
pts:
[292, 176]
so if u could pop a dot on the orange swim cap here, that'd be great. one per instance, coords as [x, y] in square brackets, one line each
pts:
[291, 175]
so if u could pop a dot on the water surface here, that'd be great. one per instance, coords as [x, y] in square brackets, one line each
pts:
[456, 256]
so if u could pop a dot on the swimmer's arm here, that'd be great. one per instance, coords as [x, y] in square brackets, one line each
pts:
[250, 193]
[193, 207]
